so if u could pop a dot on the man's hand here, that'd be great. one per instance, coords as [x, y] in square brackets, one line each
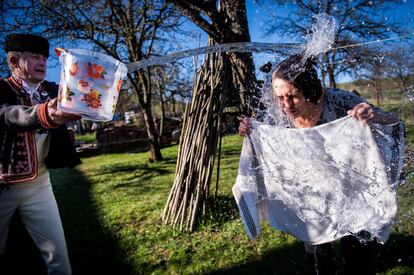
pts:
[60, 117]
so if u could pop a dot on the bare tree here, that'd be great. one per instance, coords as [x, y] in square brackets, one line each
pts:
[172, 85]
[401, 67]
[129, 30]
[127, 100]
[178, 93]
[374, 72]
[387, 70]
[359, 21]
[222, 78]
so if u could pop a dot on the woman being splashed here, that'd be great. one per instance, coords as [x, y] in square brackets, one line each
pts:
[299, 92]
[323, 216]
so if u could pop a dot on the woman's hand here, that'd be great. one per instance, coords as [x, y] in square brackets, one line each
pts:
[245, 126]
[363, 112]
[368, 114]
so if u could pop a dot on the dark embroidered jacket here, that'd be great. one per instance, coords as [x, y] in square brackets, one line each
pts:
[18, 122]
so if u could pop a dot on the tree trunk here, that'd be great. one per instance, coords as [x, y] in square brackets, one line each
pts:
[174, 107]
[144, 96]
[331, 70]
[244, 83]
[378, 91]
[162, 119]
[230, 73]
[152, 135]
[332, 82]
[323, 63]
[242, 66]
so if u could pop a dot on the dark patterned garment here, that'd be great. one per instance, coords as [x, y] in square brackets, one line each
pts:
[20, 119]
[337, 103]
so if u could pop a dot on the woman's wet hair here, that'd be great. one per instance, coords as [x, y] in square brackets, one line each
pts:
[302, 75]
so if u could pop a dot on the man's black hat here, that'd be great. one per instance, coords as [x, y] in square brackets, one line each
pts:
[26, 43]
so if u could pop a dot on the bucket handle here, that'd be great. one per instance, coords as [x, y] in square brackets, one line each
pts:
[59, 51]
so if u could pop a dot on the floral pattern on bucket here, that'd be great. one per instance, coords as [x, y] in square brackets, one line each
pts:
[83, 86]
[74, 69]
[65, 93]
[118, 85]
[96, 71]
[90, 83]
[68, 94]
[93, 99]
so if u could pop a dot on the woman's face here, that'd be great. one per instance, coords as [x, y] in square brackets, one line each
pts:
[292, 102]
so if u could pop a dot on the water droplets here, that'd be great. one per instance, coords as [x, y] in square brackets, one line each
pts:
[254, 47]
[322, 36]
[409, 94]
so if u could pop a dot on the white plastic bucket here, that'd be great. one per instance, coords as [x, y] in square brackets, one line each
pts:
[90, 83]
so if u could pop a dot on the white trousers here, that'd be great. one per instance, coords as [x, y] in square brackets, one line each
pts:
[39, 213]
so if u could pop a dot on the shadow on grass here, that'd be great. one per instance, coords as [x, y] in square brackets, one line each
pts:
[139, 176]
[21, 255]
[229, 153]
[114, 168]
[397, 253]
[143, 168]
[282, 261]
[92, 248]
[169, 161]
[222, 209]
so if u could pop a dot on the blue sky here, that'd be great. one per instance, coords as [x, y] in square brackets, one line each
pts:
[258, 15]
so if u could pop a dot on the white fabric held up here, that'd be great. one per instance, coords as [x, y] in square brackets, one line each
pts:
[319, 184]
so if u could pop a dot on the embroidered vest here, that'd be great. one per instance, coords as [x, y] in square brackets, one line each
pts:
[19, 163]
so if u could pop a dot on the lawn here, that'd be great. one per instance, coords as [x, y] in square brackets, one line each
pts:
[86, 138]
[111, 207]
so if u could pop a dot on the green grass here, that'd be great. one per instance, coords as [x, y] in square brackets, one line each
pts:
[111, 207]
[111, 213]
[410, 135]
[86, 138]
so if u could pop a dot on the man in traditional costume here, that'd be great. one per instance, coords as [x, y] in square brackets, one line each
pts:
[34, 138]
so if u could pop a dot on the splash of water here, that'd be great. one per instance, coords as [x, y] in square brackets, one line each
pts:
[410, 95]
[253, 47]
[322, 36]
[319, 41]
[272, 114]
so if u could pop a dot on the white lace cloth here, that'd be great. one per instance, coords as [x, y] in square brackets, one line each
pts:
[322, 183]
